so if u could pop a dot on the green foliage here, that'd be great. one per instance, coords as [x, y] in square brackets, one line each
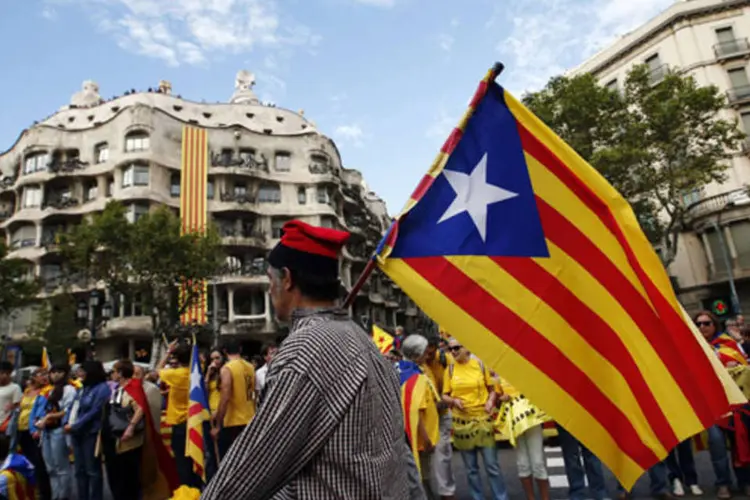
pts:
[18, 288]
[654, 143]
[55, 326]
[146, 259]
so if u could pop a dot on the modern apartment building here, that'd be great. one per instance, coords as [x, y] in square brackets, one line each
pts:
[707, 39]
[267, 165]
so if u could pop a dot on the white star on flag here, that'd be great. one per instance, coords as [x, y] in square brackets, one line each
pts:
[473, 195]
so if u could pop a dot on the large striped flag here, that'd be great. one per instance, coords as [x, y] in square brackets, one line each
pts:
[17, 479]
[529, 257]
[413, 387]
[45, 359]
[382, 339]
[198, 412]
[193, 213]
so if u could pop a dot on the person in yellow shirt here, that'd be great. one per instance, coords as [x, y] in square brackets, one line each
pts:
[434, 366]
[177, 379]
[237, 397]
[425, 395]
[469, 389]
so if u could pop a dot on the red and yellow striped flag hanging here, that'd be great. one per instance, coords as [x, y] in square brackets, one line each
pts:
[193, 213]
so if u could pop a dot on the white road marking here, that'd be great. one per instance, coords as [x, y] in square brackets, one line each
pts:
[555, 462]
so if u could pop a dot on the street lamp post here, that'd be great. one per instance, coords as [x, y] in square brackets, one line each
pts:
[92, 312]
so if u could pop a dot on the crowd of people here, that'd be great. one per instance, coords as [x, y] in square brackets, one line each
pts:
[327, 415]
[83, 425]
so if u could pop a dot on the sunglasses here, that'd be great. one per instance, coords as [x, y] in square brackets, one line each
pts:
[455, 348]
[703, 323]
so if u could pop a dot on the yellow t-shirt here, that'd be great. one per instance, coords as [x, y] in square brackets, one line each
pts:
[27, 403]
[214, 395]
[429, 415]
[468, 384]
[178, 380]
[241, 408]
[436, 371]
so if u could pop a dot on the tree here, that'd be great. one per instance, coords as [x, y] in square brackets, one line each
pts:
[55, 327]
[654, 141]
[18, 288]
[148, 259]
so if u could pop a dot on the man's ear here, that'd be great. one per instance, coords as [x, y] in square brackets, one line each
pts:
[286, 279]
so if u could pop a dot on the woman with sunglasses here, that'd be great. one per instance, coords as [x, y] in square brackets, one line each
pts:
[730, 355]
[469, 389]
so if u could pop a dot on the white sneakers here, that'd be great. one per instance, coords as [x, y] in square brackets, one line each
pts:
[677, 488]
[679, 491]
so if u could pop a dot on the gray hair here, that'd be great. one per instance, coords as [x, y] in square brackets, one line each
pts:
[413, 347]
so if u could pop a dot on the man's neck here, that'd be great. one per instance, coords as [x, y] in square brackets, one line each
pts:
[308, 303]
[233, 357]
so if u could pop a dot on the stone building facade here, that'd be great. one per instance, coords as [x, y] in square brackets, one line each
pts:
[267, 165]
[707, 39]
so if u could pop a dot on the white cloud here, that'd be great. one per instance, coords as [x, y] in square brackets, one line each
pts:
[351, 134]
[549, 37]
[445, 42]
[191, 31]
[378, 3]
[271, 88]
[49, 13]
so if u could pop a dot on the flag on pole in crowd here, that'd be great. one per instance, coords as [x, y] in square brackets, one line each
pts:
[45, 359]
[526, 254]
[414, 385]
[198, 412]
[382, 339]
[17, 479]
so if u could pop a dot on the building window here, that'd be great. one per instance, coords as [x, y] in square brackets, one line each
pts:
[174, 185]
[135, 175]
[738, 78]
[269, 193]
[110, 186]
[32, 197]
[136, 211]
[240, 189]
[740, 232]
[247, 156]
[725, 37]
[249, 302]
[612, 85]
[657, 70]
[36, 162]
[322, 195]
[327, 222]
[137, 141]
[101, 152]
[90, 190]
[302, 195]
[283, 162]
[691, 197]
[276, 226]
[24, 236]
[210, 190]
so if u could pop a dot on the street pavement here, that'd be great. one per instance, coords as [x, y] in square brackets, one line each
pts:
[559, 481]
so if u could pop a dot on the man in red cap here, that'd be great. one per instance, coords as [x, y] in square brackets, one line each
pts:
[330, 425]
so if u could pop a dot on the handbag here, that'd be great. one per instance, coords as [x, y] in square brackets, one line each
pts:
[119, 417]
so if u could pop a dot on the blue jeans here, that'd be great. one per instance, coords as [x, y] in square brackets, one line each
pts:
[491, 467]
[717, 447]
[681, 463]
[574, 453]
[88, 467]
[657, 476]
[55, 454]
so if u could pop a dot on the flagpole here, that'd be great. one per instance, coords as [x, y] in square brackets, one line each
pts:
[494, 72]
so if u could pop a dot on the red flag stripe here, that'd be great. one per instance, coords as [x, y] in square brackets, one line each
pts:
[408, 396]
[534, 347]
[703, 381]
[572, 241]
[596, 332]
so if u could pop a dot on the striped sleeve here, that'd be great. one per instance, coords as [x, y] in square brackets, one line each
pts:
[293, 409]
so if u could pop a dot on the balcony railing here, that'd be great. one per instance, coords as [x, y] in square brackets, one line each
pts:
[61, 202]
[241, 198]
[737, 95]
[716, 203]
[244, 161]
[68, 165]
[7, 182]
[731, 48]
[255, 267]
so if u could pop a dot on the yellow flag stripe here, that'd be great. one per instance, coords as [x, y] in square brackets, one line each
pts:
[483, 342]
[545, 320]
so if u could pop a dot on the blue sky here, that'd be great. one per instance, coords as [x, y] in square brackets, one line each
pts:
[387, 79]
